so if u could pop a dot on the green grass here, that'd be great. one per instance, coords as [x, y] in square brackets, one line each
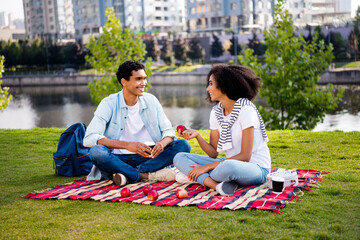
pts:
[168, 68]
[331, 211]
[348, 65]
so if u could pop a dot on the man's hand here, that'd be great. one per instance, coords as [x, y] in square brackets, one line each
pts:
[157, 149]
[139, 148]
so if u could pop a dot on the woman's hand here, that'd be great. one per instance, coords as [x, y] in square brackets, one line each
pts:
[189, 134]
[197, 171]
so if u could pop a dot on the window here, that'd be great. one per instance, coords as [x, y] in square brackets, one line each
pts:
[166, 18]
[158, 8]
[51, 19]
[233, 6]
[158, 18]
[52, 27]
[50, 10]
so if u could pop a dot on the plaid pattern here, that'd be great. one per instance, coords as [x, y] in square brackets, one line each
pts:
[256, 196]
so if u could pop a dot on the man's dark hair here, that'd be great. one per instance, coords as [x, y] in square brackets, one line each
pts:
[235, 81]
[126, 68]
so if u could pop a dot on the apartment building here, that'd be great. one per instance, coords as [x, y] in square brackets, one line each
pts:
[148, 16]
[206, 17]
[320, 12]
[49, 19]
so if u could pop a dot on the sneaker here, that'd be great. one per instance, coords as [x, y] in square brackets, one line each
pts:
[226, 188]
[165, 174]
[119, 179]
[182, 178]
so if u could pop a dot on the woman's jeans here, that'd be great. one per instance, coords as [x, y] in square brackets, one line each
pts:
[131, 165]
[243, 173]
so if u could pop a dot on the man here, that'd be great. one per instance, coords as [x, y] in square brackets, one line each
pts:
[130, 136]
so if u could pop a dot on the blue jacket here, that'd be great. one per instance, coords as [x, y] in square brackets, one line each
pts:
[110, 117]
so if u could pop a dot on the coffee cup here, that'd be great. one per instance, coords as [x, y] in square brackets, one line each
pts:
[278, 185]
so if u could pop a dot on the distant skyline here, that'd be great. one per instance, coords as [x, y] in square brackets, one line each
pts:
[12, 6]
[16, 7]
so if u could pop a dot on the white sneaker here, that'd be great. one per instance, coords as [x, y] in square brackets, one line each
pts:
[165, 174]
[226, 188]
[182, 178]
[119, 179]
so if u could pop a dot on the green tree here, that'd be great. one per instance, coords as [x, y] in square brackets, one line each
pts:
[234, 50]
[112, 48]
[256, 45]
[338, 44]
[290, 76]
[5, 96]
[357, 15]
[166, 53]
[180, 49]
[217, 48]
[195, 52]
[152, 49]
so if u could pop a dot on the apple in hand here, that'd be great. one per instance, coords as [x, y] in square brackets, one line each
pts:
[153, 195]
[147, 188]
[125, 192]
[181, 193]
[180, 128]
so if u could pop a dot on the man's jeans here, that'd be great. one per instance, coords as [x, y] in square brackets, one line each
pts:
[131, 165]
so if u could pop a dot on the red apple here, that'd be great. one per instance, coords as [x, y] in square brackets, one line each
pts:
[180, 128]
[181, 193]
[125, 192]
[147, 188]
[153, 195]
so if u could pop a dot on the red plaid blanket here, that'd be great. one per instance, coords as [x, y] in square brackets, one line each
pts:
[257, 196]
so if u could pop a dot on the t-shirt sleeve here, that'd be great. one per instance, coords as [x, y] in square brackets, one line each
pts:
[213, 121]
[248, 117]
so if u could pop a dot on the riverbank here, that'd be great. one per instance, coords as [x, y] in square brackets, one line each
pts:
[335, 76]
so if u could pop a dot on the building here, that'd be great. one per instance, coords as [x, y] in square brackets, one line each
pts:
[49, 19]
[147, 16]
[321, 12]
[216, 16]
[11, 33]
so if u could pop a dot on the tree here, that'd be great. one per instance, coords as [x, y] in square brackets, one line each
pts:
[290, 76]
[5, 96]
[152, 49]
[195, 52]
[353, 43]
[338, 44]
[166, 53]
[180, 49]
[234, 51]
[357, 15]
[217, 48]
[112, 48]
[256, 45]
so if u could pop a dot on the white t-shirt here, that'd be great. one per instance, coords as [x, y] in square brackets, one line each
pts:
[247, 118]
[134, 130]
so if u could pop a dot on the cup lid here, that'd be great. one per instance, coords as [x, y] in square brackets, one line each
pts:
[278, 179]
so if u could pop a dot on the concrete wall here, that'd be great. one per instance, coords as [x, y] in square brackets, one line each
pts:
[344, 76]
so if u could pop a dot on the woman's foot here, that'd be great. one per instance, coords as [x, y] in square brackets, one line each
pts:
[226, 188]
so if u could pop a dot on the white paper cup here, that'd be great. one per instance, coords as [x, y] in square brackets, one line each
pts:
[278, 185]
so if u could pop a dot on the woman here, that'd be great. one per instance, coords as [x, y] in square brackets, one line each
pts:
[236, 128]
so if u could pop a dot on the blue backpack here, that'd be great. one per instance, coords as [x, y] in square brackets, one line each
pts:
[71, 158]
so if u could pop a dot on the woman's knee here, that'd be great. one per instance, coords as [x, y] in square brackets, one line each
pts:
[178, 158]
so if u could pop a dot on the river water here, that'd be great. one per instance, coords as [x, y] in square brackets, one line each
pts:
[62, 106]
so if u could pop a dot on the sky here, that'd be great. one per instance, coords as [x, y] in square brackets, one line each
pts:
[16, 7]
[12, 6]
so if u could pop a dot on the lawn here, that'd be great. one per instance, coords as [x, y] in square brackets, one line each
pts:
[331, 211]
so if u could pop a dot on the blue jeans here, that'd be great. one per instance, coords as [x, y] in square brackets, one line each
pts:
[243, 173]
[131, 165]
